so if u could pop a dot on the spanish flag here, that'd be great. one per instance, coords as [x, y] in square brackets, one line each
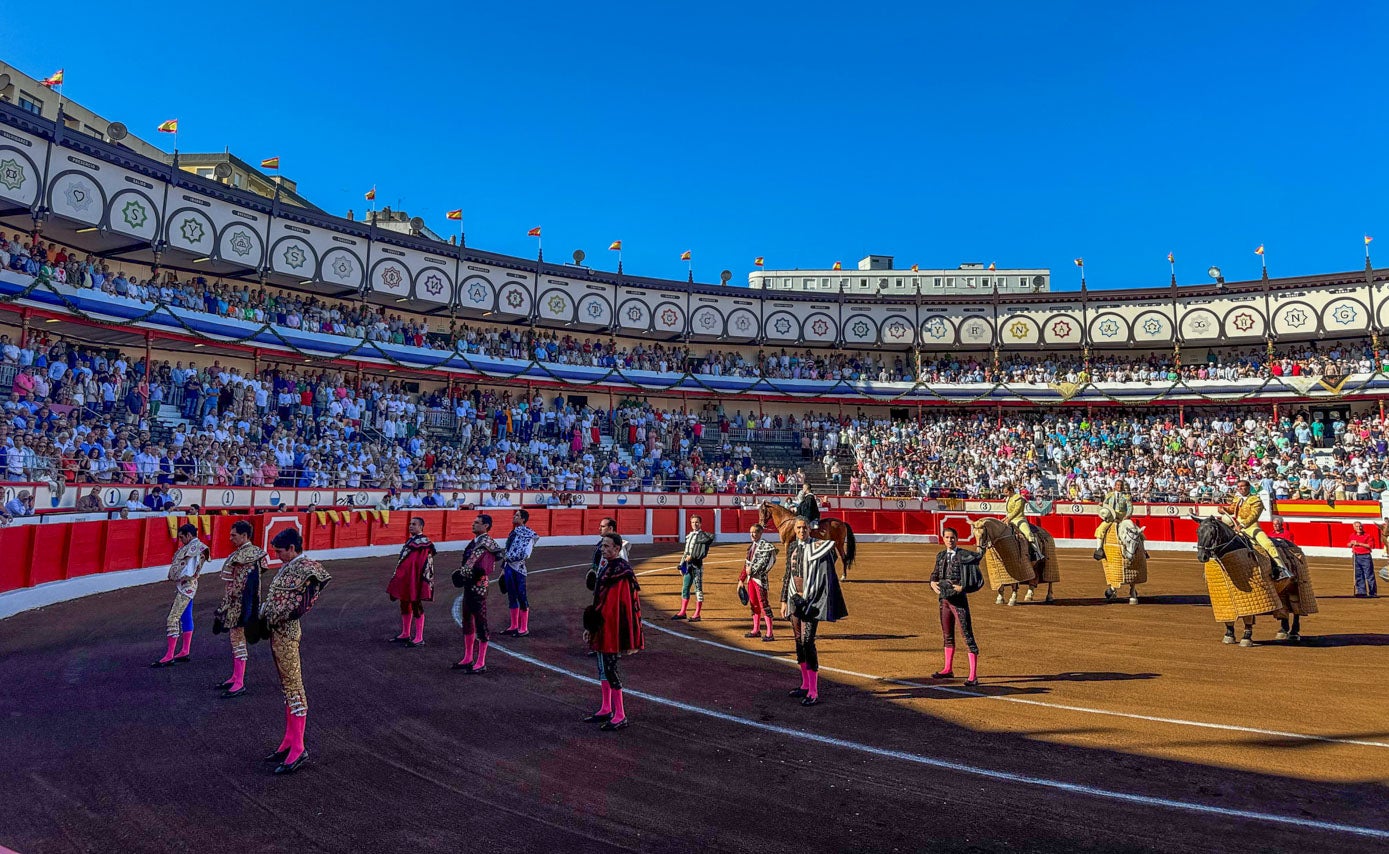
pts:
[837, 266]
[171, 126]
[1368, 239]
[1260, 250]
[54, 79]
[270, 163]
[992, 267]
[534, 232]
[616, 246]
[371, 194]
[916, 268]
[685, 256]
[458, 214]
[1170, 259]
[1080, 262]
[758, 261]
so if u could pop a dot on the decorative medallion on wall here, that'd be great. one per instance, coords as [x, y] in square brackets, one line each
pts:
[12, 175]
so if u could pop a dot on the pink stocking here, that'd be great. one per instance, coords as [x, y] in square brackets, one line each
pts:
[419, 629]
[481, 656]
[525, 621]
[974, 665]
[169, 655]
[949, 659]
[607, 707]
[405, 620]
[467, 649]
[619, 713]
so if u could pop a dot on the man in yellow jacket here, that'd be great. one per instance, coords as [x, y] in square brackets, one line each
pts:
[1016, 512]
[1243, 513]
[1116, 507]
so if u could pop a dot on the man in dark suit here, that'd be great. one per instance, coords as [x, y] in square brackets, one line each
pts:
[808, 506]
[948, 581]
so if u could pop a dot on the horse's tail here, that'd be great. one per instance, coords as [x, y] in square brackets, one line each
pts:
[850, 546]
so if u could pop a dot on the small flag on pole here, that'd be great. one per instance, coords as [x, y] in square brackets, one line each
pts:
[1080, 262]
[616, 246]
[837, 266]
[992, 266]
[758, 261]
[1170, 258]
[685, 256]
[1368, 240]
[458, 214]
[171, 126]
[1260, 250]
[534, 232]
[916, 268]
[371, 194]
[270, 163]
[54, 79]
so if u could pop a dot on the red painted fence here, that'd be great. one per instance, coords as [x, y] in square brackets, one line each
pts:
[36, 554]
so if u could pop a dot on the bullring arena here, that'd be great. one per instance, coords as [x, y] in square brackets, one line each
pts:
[199, 364]
[1096, 724]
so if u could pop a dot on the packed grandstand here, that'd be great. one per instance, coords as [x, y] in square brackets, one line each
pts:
[120, 370]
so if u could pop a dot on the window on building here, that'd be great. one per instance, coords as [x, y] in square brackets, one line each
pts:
[863, 283]
[205, 172]
[809, 283]
[30, 103]
[950, 281]
[236, 180]
[938, 281]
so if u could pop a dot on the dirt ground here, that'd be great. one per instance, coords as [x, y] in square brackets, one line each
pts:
[1097, 726]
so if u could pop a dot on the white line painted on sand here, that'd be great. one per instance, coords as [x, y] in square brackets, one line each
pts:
[959, 767]
[1024, 701]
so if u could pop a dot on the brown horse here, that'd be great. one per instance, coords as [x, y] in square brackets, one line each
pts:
[783, 520]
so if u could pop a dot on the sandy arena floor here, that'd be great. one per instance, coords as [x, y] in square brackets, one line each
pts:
[1098, 726]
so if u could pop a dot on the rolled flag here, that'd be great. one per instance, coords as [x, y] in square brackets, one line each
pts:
[534, 232]
[457, 214]
[270, 163]
[616, 246]
[54, 79]
[171, 126]
[1170, 259]
[1260, 250]
[837, 266]
[685, 256]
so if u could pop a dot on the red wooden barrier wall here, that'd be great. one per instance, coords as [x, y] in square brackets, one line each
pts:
[36, 554]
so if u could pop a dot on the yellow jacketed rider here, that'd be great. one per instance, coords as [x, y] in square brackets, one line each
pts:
[1243, 512]
[1116, 507]
[1016, 512]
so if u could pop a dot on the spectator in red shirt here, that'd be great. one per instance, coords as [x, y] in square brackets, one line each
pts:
[1281, 531]
[1361, 545]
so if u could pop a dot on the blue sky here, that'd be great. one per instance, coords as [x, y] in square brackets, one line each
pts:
[1024, 134]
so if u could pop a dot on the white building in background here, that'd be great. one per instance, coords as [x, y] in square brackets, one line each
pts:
[875, 275]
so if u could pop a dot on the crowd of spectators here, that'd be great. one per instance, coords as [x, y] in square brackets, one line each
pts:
[363, 320]
[1159, 456]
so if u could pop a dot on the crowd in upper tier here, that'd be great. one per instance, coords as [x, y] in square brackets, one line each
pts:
[362, 320]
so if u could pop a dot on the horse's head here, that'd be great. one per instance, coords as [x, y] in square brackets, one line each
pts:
[1211, 535]
[766, 513]
[980, 527]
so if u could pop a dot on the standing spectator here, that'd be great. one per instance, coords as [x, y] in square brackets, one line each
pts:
[1361, 545]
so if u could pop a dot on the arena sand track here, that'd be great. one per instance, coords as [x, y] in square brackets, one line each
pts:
[103, 753]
